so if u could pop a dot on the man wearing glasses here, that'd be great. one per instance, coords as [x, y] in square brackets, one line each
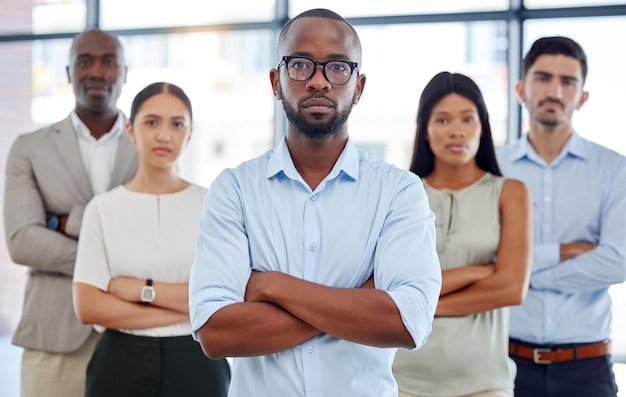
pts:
[314, 262]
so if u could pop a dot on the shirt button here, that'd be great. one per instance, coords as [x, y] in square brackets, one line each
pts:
[314, 197]
[310, 349]
[313, 247]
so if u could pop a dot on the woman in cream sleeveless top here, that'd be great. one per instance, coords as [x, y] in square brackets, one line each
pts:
[484, 238]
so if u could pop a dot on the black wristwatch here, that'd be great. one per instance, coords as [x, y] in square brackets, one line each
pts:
[147, 292]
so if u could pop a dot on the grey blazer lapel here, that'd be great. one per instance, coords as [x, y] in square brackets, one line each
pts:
[66, 143]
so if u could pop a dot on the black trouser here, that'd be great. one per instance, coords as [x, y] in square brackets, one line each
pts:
[591, 377]
[137, 366]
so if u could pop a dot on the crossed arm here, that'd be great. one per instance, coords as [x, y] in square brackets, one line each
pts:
[115, 302]
[572, 250]
[121, 308]
[29, 242]
[281, 311]
[593, 257]
[475, 289]
[236, 313]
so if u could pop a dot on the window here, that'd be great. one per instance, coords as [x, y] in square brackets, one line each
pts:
[42, 16]
[122, 14]
[567, 3]
[397, 73]
[349, 9]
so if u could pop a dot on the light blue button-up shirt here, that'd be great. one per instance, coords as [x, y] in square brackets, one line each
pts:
[579, 197]
[366, 218]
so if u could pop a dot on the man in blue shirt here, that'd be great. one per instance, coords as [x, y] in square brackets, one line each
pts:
[314, 262]
[559, 335]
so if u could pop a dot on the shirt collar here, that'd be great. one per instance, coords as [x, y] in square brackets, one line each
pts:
[574, 146]
[280, 160]
[82, 131]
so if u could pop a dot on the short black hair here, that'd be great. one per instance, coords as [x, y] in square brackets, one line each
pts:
[441, 85]
[555, 45]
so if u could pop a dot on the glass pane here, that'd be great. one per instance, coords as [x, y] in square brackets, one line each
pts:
[596, 120]
[350, 8]
[228, 84]
[42, 16]
[383, 122]
[569, 3]
[52, 95]
[123, 14]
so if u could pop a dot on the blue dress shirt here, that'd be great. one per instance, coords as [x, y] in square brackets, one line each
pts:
[579, 197]
[365, 218]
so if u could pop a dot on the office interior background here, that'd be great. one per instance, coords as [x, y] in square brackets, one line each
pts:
[221, 54]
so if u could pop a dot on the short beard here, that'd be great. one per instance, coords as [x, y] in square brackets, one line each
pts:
[317, 131]
[548, 122]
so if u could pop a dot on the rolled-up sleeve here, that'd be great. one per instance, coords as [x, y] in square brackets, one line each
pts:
[407, 264]
[221, 267]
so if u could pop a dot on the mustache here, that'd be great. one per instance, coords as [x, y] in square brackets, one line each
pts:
[551, 100]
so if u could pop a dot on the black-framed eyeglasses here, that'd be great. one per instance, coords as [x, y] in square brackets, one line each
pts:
[302, 68]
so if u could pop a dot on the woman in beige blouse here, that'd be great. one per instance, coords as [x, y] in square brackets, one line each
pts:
[484, 238]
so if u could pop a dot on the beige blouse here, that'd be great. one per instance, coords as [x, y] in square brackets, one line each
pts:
[465, 354]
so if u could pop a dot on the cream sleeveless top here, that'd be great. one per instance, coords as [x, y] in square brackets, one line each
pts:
[465, 354]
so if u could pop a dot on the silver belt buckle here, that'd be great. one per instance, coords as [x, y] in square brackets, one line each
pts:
[537, 359]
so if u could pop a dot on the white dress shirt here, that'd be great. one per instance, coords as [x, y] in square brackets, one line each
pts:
[98, 154]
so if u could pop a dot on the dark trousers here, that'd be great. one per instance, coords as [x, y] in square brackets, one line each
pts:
[136, 366]
[592, 377]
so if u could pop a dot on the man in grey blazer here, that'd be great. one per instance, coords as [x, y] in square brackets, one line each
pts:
[51, 174]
